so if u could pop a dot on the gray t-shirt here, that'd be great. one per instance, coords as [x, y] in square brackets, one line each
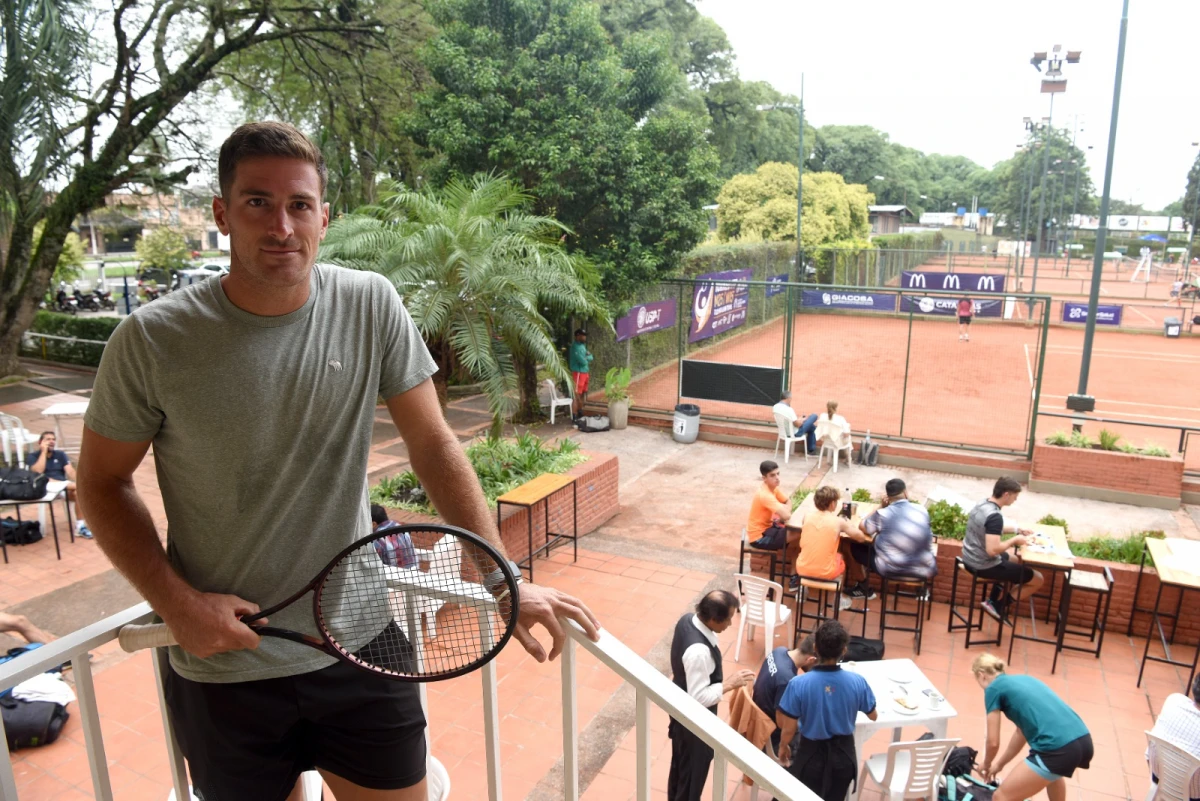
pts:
[983, 520]
[261, 429]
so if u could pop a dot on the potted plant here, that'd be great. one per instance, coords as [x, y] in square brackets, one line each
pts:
[616, 392]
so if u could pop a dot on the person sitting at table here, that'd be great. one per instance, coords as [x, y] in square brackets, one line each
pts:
[770, 509]
[824, 704]
[1059, 742]
[806, 429]
[985, 555]
[56, 466]
[821, 541]
[833, 428]
[779, 668]
[1179, 723]
[901, 535]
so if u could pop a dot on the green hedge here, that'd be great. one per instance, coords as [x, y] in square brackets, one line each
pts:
[96, 329]
[933, 240]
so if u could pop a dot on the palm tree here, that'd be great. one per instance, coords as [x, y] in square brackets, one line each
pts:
[477, 273]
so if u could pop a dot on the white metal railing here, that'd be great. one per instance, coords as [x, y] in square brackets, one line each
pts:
[651, 687]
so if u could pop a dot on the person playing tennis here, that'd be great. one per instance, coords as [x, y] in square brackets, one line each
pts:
[258, 392]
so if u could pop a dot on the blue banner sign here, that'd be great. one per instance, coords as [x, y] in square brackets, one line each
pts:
[717, 305]
[646, 318]
[775, 284]
[953, 282]
[1105, 315]
[848, 299]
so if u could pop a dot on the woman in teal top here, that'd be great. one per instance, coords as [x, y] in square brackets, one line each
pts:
[1058, 740]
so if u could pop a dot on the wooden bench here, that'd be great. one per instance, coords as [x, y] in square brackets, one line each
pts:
[529, 495]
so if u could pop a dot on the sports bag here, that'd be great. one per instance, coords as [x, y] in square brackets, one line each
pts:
[19, 484]
[965, 788]
[28, 724]
[860, 649]
[868, 452]
[959, 762]
[590, 425]
[20, 533]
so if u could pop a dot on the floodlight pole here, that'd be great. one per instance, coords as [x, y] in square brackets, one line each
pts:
[1080, 401]
[1037, 242]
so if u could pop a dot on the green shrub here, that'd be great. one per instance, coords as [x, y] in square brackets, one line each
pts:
[1108, 440]
[1080, 440]
[1126, 550]
[501, 465]
[1152, 449]
[947, 520]
[1128, 447]
[1060, 438]
[94, 329]
[861, 495]
[799, 495]
[1051, 520]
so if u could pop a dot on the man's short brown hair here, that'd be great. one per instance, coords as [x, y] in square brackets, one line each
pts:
[826, 497]
[266, 139]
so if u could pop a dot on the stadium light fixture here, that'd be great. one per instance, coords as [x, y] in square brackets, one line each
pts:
[1053, 83]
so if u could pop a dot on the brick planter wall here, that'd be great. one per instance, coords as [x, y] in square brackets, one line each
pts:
[1130, 473]
[596, 485]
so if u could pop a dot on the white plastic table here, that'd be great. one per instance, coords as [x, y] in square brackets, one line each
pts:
[54, 491]
[886, 678]
[61, 410]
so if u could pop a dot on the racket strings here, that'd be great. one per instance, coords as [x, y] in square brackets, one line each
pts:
[418, 607]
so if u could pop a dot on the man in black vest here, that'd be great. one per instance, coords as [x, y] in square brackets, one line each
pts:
[696, 669]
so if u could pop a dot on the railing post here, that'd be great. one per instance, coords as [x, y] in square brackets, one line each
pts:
[179, 777]
[570, 710]
[642, 721]
[8, 781]
[89, 716]
[720, 772]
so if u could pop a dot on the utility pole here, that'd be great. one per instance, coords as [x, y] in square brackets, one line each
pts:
[1081, 401]
[1052, 84]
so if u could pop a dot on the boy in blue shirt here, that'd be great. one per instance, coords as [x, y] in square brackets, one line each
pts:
[824, 704]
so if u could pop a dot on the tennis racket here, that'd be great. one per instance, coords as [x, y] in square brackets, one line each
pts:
[412, 603]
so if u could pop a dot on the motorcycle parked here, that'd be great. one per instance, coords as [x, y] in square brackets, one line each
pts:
[86, 300]
[64, 302]
[103, 298]
[151, 290]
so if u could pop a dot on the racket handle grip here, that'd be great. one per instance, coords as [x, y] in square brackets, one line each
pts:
[151, 635]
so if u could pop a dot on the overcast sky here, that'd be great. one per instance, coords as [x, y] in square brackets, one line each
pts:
[955, 78]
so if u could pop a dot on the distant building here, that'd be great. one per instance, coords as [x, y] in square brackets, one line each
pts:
[126, 216]
[888, 219]
[980, 222]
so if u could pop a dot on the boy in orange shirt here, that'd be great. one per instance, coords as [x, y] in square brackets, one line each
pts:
[769, 511]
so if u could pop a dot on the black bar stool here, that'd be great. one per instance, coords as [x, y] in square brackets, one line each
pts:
[974, 605]
[825, 593]
[1084, 581]
[904, 587]
[776, 556]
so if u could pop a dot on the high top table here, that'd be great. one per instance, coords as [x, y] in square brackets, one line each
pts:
[1055, 561]
[529, 495]
[1171, 556]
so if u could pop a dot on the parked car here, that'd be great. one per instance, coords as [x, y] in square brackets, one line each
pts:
[191, 276]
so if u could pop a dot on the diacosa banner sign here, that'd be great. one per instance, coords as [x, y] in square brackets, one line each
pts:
[949, 306]
[861, 301]
[966, 282]
[646, 318]
[718, 305]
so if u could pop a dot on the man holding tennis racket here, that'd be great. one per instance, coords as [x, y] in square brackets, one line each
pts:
[258, 391]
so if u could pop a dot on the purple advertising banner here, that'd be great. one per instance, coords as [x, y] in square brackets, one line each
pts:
[776, 284]
[966, 282]
[646, 318]
[949, 306]
[848, 299]
[717, 305]
[1105, 315]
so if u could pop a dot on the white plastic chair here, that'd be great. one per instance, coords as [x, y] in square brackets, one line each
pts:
[15, 439]
[445, 559]
[1174, 767]
[788, 436]
[834, 439]
[756, 610]
[556, 401]
[908, 770]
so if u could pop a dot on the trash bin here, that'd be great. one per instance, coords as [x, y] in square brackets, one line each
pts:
[687, 423]
[1171, 327]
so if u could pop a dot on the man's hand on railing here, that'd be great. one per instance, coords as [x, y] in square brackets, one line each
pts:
[737, 680]
[208, 623]
[544, 606]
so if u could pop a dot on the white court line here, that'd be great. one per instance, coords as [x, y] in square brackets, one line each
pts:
[1028, 367]
[1147, 359]
[1122, 351]
[1139, 311]
[1135, 403]
[1171, 420]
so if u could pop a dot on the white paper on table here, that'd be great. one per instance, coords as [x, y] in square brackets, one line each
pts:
[1185, 556]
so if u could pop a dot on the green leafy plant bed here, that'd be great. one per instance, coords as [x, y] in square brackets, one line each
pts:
[92, 331]
[1051, 520]
[1107, 441]
[947, 520]
[1126, 550]
[501, 465]
[799, 495]
[861, 495]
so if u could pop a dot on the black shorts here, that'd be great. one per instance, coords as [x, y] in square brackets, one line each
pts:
[1062, 761]
[1007, 572]
[253, 739]
[861, 552]
[964, 319]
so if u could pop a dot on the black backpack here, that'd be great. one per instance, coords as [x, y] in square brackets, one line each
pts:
[18, 484]
[28, 724]
[868, 452]
[20, 533]
[593, 424]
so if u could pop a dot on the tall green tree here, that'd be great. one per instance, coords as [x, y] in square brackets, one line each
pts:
[537, 90]
[479, 274]
[80, 117]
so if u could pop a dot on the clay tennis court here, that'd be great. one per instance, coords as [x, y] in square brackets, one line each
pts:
[977, 393]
